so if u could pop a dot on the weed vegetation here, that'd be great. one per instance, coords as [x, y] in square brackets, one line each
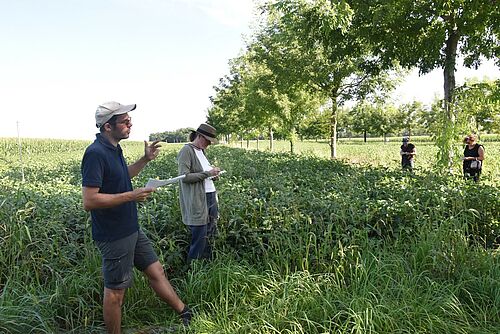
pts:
[305, 245]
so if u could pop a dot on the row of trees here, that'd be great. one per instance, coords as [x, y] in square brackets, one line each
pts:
[479, 105]
[479, 102]
[177, 136]
[366, 119]
[306, 57]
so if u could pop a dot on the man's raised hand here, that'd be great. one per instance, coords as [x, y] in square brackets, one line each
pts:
[152, 150]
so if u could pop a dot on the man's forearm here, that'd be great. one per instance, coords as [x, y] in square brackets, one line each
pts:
[136, 167]
[103, 201]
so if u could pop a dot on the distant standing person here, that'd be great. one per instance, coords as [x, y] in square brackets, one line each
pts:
[108, 195]
[197, 195]
[473, 158]
[407, 152]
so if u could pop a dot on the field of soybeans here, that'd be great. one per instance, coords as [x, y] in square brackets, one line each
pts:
[306, 244]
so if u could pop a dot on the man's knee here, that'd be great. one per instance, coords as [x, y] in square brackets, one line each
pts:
[114, 296]
[155, 271]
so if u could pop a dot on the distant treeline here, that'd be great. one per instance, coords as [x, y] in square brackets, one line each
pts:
[177, 136]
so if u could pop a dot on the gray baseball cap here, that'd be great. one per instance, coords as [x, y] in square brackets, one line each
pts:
[107, 110]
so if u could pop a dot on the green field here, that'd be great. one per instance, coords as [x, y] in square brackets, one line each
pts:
[306, 244]
[378, 153]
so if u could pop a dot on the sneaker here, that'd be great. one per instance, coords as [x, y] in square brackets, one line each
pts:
[186, 315]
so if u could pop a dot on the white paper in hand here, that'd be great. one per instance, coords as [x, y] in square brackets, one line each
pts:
[154, 183]
[213, 177]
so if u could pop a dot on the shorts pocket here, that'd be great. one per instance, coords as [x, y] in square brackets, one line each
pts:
[116, 271]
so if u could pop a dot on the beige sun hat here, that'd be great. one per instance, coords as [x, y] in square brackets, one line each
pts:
[208, 132]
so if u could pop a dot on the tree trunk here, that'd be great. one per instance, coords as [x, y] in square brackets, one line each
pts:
[333, 124]
[291, 146]
[364, 136]
[449, 88]
[271, 139]
[449, 74]
[248, 143]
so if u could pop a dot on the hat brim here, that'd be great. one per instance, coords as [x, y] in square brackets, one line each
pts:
[210, 139]
[125, 109]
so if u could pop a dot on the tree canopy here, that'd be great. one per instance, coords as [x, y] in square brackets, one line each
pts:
[306, 60]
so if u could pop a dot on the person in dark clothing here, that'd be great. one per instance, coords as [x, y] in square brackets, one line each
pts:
[473, 158]
[108, 194]
[407, 152]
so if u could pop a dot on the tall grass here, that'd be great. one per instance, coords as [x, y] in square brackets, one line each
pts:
[306, 245]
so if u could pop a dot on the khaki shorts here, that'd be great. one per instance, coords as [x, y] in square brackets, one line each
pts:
[119, 257]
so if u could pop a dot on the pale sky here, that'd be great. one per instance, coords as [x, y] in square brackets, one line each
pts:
[60, 58]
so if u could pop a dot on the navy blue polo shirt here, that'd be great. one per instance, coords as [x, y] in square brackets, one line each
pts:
[104, 167]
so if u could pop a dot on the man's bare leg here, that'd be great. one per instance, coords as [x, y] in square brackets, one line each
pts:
[112, 310]
[162, 287]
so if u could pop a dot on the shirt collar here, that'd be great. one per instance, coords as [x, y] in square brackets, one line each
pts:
[105, 142]
[196, 147]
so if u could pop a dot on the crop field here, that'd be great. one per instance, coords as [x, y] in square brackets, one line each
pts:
[305, 244]
[378, 153]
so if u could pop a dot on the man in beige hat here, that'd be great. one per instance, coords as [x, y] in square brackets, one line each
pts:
[197, 194]
[108, 195]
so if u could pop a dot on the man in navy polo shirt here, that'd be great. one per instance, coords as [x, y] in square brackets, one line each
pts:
[108, 195]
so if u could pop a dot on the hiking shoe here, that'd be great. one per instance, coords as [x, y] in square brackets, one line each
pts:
[186, 315]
